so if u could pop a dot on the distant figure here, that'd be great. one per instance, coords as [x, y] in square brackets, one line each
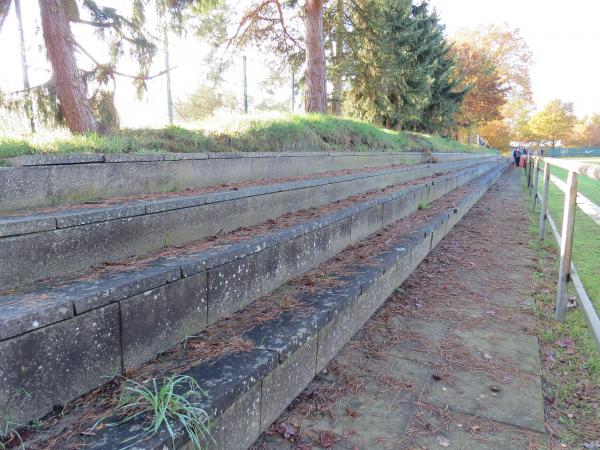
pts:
[516, 156]
[541, 152]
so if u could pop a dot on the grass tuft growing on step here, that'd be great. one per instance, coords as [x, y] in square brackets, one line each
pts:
[251, 133]
[173, 404]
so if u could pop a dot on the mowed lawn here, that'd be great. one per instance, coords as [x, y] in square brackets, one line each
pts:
[585, 185]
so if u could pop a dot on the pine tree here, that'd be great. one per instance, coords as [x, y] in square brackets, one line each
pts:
[401, 71]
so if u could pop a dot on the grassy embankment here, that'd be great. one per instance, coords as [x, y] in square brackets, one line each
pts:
[310, 132]
[570, 358]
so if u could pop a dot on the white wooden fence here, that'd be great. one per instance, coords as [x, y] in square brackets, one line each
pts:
[567, 271]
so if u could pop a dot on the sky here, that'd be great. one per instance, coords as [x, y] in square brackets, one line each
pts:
[563, 35]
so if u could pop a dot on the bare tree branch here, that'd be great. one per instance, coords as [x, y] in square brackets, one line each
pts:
[251, 23]
[92, 23]
[111, 70]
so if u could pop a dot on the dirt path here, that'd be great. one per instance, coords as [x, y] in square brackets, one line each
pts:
[450, 361]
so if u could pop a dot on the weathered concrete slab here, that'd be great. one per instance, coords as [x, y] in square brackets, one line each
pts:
[233, 390]
[285, 382]
[466, 432]
[11, 226]
[91, 236]
[58, 363]
[239, 426]
[45, 160]
[285, 369]
[500, 411]
[518, 401]
[339, 331]
[132, 157]
[377, 415]
[73, 218]
[20, 314]
[375, 282]
[50, 181]
[83, 296]
[289, 331]
[116, 286]
[422, 339]
[367, 222]
[157, 320]
[331, 234]
[332, 300]
[230, 376]
[396, 209]
[238, 283]
[521, 350]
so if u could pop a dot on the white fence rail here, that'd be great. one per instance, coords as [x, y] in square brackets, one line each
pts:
[567, 271]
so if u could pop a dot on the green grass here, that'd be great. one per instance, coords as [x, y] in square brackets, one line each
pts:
[585, 185]
[571, 373]
[268, 133]
[586, 239]
[173, 404]
[9, 436]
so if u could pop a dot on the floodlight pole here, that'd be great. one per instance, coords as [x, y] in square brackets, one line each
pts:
[245, 87]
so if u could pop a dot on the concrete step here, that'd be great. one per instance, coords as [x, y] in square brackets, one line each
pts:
[49, 244]
[42, 181]
[246, 389]
[114, 321]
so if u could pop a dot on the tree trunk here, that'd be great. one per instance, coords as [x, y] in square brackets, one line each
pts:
[68, 79]
[4, 10]
[316, 76]
[337, 96]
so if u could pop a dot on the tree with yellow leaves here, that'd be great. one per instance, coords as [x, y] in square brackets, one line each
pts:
[494, 63]
[586, 132]
[553, 123]
[498, 134]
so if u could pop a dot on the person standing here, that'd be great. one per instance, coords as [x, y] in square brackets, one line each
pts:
[516, 156]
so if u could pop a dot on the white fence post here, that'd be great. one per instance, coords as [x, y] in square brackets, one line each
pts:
[544, 205]
[566, 245]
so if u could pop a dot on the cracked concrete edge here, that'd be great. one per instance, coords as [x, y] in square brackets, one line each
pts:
[32, 186]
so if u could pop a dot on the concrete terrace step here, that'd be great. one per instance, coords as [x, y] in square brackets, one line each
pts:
[63, 341]
[246, 391]
[42, 181]
[49, 244]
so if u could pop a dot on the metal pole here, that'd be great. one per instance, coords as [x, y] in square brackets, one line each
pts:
[168, 69]
[293, 89]
[536, 171]
[566, 245]
[245, 89]
[26, 86]
[544, 206]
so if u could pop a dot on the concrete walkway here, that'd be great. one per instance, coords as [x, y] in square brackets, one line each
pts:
[450, 361]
